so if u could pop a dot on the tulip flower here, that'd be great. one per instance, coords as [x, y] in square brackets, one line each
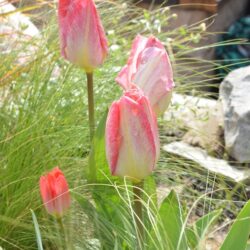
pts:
[132, 142]
[83, 43]
[83, 40]
[149, 68]
[55, 192]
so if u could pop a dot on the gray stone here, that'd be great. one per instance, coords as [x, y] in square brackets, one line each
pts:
[20, 37]
[16, 30]
[187, 109]
[234, 94]
[212, 164]
[202, 118]
[14, 21]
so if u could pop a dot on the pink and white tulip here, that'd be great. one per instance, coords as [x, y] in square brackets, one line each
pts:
[55, 192]
[149, 68]
[132, 141]
[83, 40]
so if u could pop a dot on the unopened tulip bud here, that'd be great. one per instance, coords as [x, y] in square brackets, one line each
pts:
[132, 141]
[149, 68]
[55, 192]
[83, 40]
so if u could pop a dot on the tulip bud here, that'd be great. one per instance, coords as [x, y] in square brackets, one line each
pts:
[149, 68]
[132, 141]
[55, 192]
[83, 40]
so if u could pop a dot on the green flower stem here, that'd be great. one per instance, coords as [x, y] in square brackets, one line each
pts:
[137, 190]
[64, 241]
[91, 106]
[91, 112]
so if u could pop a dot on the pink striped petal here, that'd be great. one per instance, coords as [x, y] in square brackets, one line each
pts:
[113, 137]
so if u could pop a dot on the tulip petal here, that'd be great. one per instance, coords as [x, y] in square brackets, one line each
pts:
[122, 78]
[46, 195]
[155, 78]
[62, 199]
[113, 137]
[151, 118]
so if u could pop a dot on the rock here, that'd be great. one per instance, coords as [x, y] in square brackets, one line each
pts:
[212, 164]
[186, 109]
[16, 31]
[20, 38]
[14, 21]
[234, 94]
[208, 134]
[202, 118]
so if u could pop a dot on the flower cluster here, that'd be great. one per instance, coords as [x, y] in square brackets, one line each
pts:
[132, 140]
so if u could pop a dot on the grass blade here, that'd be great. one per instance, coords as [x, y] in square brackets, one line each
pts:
[172, 219]
[38, 233]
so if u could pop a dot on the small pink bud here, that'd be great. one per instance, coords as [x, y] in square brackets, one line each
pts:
[132, 141]
[83, 40]
[149, 68]
[55, 192]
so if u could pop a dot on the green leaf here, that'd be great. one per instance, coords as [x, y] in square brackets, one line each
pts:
[196, 235]
[239, 232]
[150, 189]
[38, 234]
[171, 217]
[105, 215]
[203, 224]
[97, 156]
[192, 238]
[150, 198]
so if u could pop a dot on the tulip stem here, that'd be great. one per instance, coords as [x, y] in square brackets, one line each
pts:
[91, 105]
[137, 191]
[63, 233]
[91, 112]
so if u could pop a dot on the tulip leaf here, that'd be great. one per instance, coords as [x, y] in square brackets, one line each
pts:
[37, 230]
[150, 189]
[239, 233]
[171, 216]
[105, 214]
[150, 198]
[111, 215]
[197, 233]
[97, 158]
[203, 224]
[192, 238]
